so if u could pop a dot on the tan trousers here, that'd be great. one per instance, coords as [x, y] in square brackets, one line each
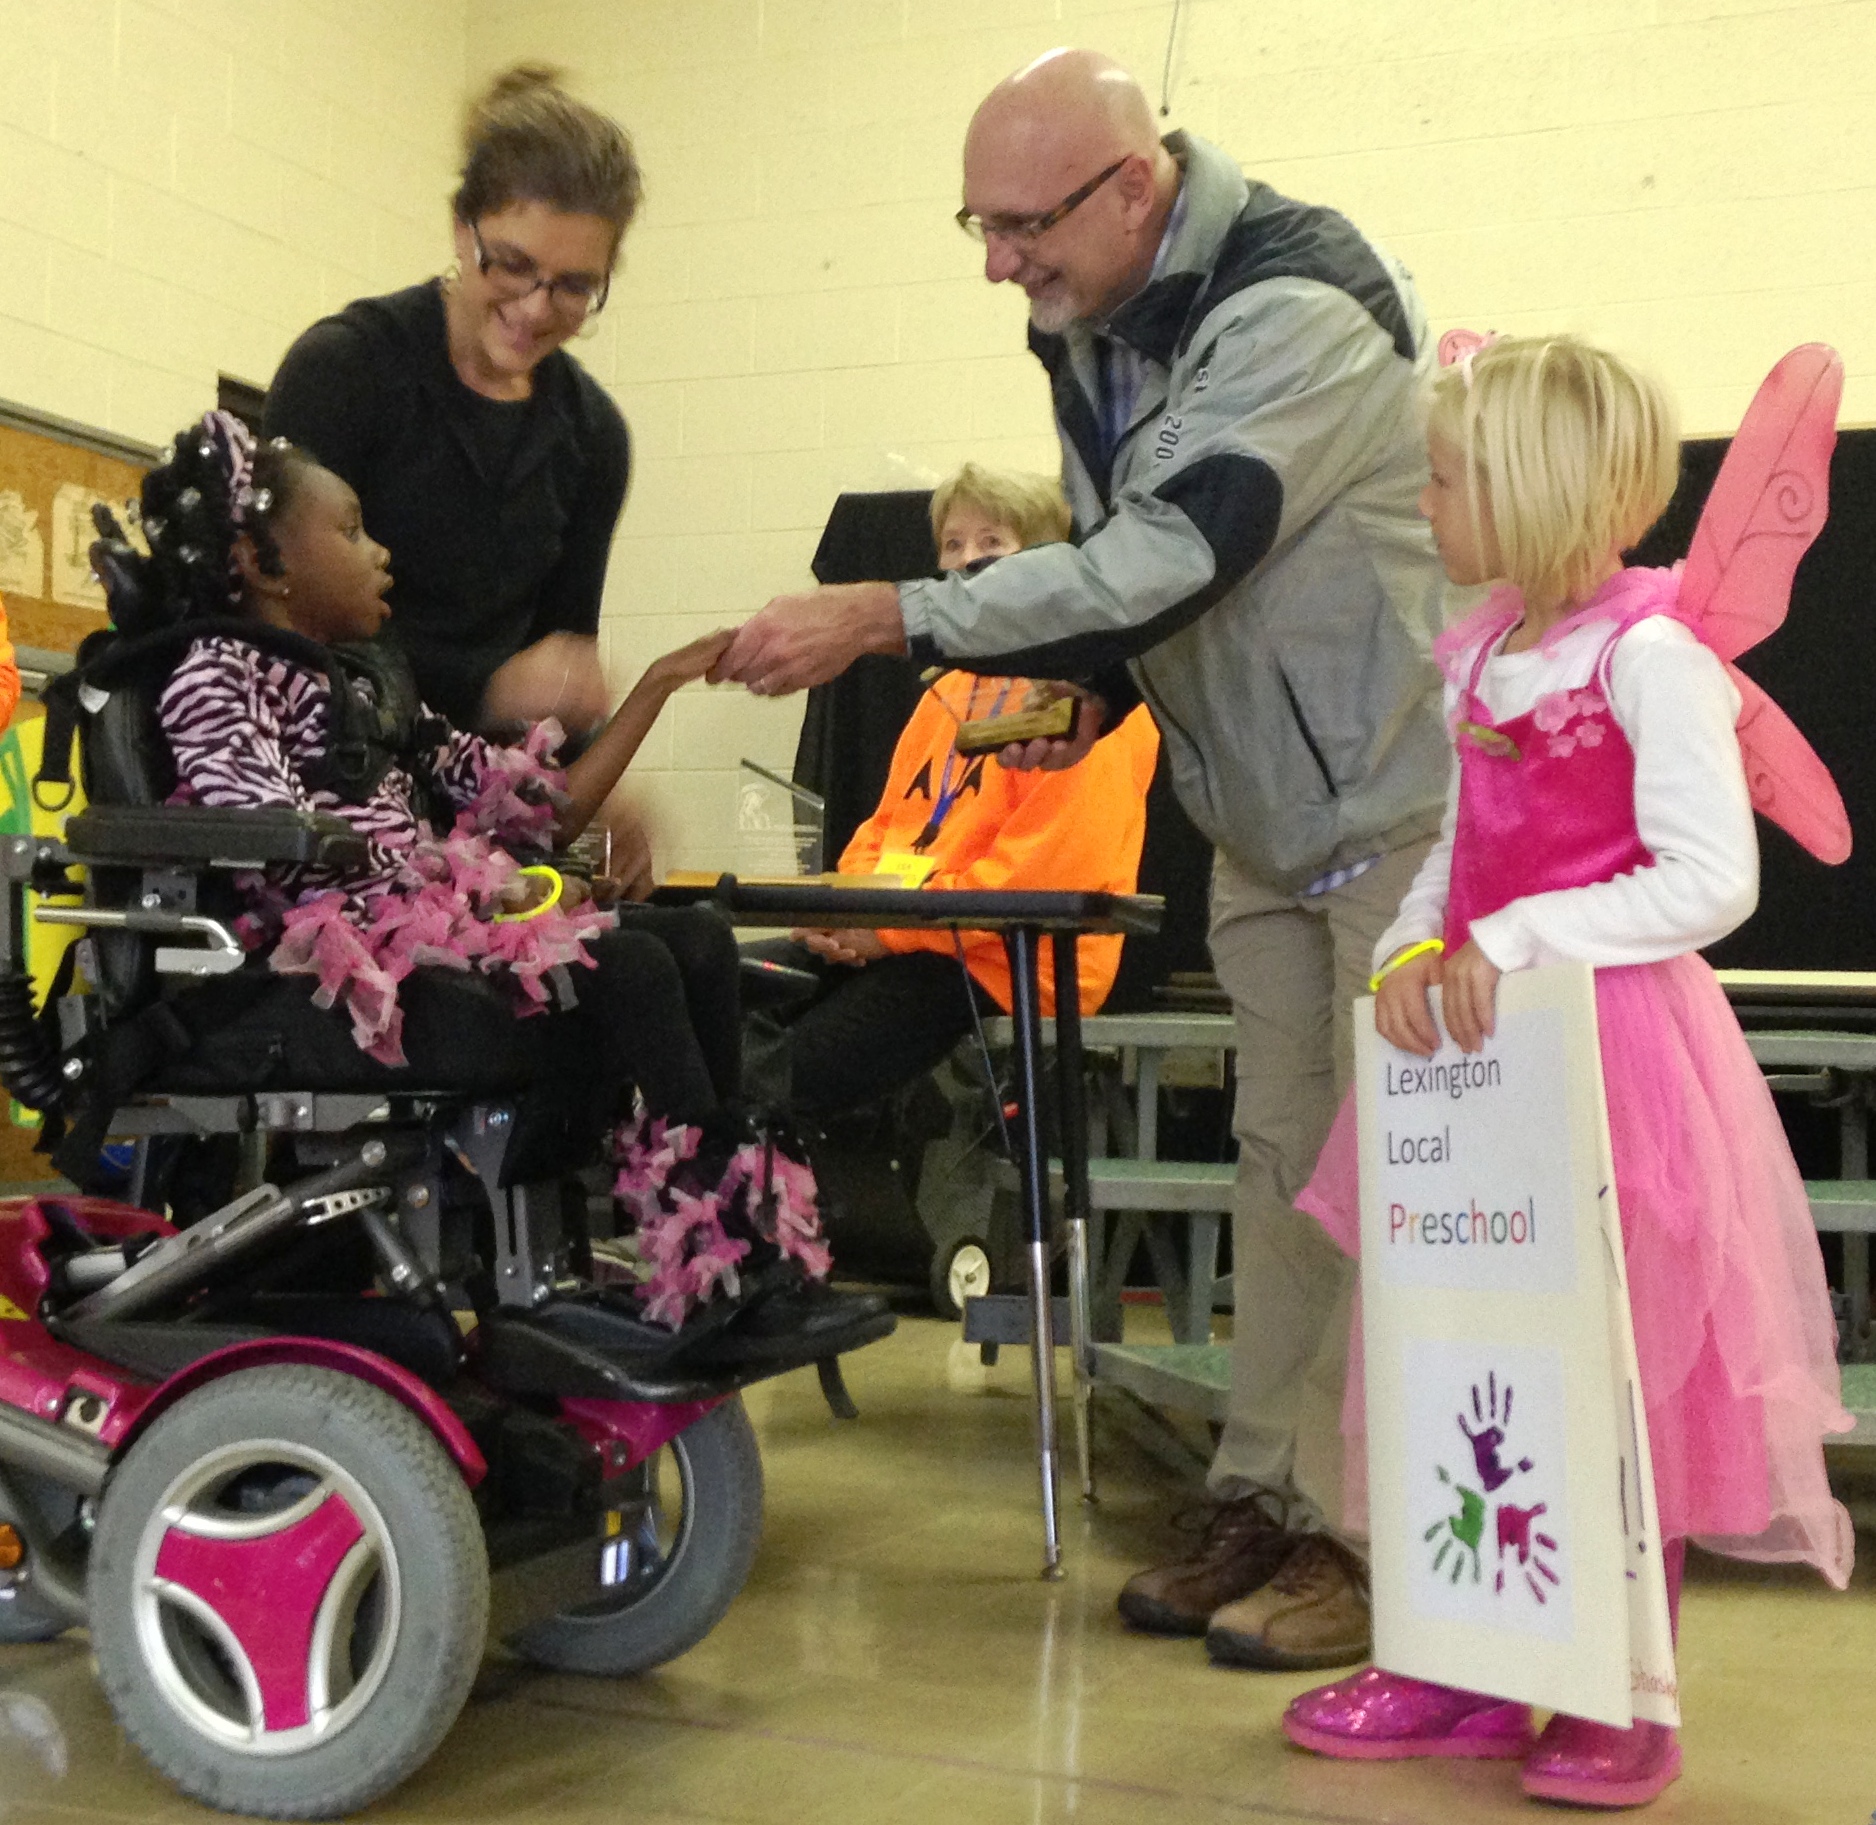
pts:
[1293, 968]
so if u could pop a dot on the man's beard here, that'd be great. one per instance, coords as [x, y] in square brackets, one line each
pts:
[1052, 315]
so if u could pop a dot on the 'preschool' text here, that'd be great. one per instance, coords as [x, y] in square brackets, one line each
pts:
[1466, 1228]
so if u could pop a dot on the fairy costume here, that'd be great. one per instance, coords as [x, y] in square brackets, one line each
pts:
[1600, 814]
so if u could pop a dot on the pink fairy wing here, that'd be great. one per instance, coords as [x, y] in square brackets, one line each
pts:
[1768, 503]
[1788, 783]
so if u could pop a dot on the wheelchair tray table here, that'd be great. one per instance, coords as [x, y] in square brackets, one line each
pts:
[1022, 919]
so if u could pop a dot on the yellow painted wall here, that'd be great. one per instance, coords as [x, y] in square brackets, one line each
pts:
[1692, 180]
[186, 184]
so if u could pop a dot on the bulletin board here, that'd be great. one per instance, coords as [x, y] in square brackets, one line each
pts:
[50, 473]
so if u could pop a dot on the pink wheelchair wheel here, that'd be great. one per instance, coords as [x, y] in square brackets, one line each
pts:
[289, 1592]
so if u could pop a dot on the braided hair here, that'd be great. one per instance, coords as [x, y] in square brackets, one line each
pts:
[214, 484]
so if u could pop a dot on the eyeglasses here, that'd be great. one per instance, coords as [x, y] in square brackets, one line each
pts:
[1032, 227]
[513, 275]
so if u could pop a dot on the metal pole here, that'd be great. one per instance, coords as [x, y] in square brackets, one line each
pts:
[1026, 1011]
[1072, 1096]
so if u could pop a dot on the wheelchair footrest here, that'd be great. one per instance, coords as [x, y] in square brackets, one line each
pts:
[805, 1323]
[555, 1350]
[594, 1345]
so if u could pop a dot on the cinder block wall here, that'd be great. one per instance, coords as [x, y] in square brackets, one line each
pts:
[184, 186]
[1692, 180]
[185, 183]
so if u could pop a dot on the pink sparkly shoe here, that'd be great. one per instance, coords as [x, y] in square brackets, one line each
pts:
[1386, 1717]
[1588, 1764]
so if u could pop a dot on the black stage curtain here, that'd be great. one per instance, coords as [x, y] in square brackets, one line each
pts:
[852, 723]
[1817, 667]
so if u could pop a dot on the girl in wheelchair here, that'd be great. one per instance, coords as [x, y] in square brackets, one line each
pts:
[456, 877]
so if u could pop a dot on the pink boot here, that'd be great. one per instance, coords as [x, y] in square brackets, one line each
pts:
[1586, 1764]
[1385, 1717]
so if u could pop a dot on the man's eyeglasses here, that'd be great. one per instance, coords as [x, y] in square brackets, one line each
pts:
[1032, 227]
[512, 274]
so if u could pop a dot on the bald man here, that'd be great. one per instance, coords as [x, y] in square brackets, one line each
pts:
[1234, 377]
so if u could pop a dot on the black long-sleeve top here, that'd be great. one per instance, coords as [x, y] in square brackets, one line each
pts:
[498, 515]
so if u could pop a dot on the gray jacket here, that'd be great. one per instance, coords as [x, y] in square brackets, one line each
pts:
[1249, 559]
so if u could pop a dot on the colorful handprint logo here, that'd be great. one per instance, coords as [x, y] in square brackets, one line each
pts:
[1458, 1541]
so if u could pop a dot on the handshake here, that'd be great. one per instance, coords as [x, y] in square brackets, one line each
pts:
[800, 640]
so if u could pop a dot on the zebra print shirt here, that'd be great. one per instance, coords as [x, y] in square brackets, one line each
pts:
[243, 725]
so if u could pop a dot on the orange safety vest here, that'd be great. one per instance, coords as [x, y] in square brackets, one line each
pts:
[1078, 829]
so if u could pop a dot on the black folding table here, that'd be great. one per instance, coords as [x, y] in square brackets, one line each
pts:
[1022, 920]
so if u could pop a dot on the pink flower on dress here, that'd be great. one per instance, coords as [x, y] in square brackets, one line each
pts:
[1553, 710]
[1590, 734]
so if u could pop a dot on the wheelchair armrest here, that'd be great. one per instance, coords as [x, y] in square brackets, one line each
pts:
[208, 836]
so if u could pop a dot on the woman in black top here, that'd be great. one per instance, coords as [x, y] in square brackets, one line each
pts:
[486, 457]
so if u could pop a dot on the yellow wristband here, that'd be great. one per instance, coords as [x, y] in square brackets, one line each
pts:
[553, 897]
[1425, 948]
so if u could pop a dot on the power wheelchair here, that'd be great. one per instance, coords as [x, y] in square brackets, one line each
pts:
[270, 1457]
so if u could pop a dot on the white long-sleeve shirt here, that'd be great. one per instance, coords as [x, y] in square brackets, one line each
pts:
[1671, 697]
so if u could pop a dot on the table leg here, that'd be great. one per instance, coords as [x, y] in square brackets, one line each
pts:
[1072, 1094]
[1026, 1015]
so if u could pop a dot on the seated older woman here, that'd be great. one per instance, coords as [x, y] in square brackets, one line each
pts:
[891, 1004]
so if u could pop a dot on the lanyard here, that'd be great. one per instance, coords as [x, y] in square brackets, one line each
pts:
[948, 791]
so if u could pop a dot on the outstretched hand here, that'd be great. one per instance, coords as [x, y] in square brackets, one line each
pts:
[686, 664]
[799, 640]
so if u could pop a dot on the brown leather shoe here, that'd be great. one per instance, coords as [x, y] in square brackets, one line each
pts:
[1243, 1544]
[1312, 1613]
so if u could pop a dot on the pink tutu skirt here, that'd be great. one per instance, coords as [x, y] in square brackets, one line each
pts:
[1733, 1325]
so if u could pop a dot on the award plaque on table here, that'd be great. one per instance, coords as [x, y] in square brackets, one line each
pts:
[1511, 1494]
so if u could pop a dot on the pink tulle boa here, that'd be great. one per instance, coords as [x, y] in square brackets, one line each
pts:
[685, 1226]
[1733, 1326]
[439, 914]
[520, 792]
[682, 1243]
[783, 1203]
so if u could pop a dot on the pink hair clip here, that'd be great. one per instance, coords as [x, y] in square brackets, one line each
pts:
[1459, 346]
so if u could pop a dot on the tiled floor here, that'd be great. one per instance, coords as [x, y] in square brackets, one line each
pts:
[895, 1659]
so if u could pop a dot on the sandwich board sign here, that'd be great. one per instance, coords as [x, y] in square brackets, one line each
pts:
[1515, 1544]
